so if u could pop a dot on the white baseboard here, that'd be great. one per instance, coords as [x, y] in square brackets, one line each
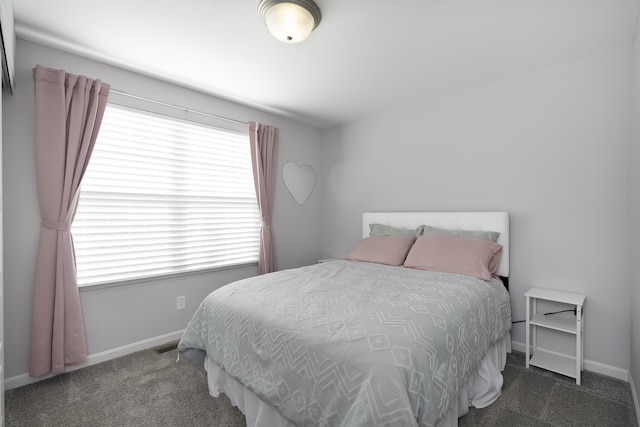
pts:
[635, 398]
[589, 365]
[94, 359]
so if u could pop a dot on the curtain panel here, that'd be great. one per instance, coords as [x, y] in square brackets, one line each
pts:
[264, 146]
[68, 114]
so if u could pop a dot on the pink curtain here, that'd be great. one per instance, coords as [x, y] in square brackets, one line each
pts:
[264, 147]
[68, 113]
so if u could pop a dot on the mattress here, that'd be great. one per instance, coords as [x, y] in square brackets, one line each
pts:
[352, 343]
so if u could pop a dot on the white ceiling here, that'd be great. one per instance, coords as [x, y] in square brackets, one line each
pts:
[365, 56]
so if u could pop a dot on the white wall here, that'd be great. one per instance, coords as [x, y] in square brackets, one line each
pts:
[549, 147]
[634, 226]
[122, 315]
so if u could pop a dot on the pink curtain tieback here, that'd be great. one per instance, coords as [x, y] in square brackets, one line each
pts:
[56, 225]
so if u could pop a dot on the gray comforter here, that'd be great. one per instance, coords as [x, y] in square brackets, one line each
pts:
[349, 343]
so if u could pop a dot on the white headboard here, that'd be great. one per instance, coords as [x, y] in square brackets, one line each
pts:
[485, 221]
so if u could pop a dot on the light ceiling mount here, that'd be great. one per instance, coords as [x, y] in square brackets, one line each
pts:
[290, 21]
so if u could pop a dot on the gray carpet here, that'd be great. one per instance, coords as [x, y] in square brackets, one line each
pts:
[151, 389]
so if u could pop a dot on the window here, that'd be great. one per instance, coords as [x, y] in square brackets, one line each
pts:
[163, 195]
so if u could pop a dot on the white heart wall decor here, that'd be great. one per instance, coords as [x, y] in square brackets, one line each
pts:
[299, 180]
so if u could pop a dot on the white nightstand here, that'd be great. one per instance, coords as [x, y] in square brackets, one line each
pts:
[553, 362]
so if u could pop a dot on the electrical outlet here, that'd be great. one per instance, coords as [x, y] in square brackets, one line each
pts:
[181, 302]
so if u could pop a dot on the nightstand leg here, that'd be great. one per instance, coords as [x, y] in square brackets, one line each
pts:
[579, 344]
[527, 350]
[581, 340]
[535, 328]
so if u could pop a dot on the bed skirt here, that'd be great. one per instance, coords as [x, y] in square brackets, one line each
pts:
[482, 389]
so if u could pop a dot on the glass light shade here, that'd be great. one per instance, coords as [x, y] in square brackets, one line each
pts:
[289, 22]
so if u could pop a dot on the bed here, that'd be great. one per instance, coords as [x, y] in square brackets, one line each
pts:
[366, 342]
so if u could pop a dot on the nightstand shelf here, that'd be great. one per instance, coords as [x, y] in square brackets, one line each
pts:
[563, 325]
[565, 365]
[554, 362]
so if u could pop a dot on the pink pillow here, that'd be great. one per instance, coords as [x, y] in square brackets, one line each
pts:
[389, 250]
[455, 254]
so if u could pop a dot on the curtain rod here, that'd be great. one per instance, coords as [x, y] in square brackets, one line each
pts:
[178, 107]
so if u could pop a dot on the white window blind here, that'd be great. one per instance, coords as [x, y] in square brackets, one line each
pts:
[163, 196]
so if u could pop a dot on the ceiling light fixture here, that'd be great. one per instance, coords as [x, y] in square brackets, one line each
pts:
[290, 21]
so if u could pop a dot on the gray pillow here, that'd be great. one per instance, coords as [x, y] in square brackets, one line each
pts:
[427, 230]
[387, 230]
